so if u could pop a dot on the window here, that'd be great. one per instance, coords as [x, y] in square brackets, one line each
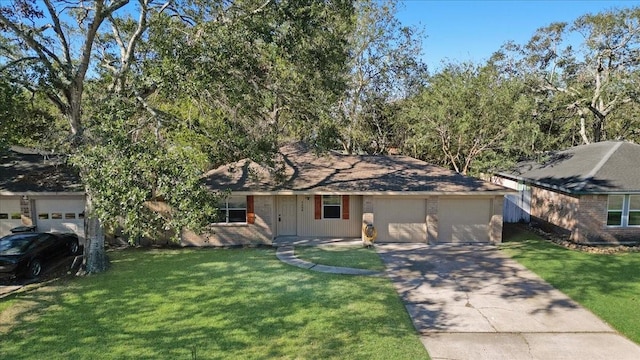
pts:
[634, 210]
[233, 210]
[4, 216]
[43, 216]
[614, 210]
[16, 216]
[331, 206]
[69, 215]
[623, 210]
[56, 216]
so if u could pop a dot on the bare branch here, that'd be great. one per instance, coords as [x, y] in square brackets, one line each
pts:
[57, 27]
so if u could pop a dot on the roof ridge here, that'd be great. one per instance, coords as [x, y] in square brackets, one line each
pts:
[599, 165]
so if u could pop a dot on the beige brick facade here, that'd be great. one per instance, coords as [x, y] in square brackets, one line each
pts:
[238, 234]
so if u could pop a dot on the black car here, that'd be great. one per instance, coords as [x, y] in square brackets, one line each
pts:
[25, 254]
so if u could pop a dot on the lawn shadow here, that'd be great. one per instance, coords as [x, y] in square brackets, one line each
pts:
[218, 304]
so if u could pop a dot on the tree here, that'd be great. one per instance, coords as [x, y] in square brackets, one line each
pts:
[167, 79]
[594, 80]
[469, 118]
[385, 66]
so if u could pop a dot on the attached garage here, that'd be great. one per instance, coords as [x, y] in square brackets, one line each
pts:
[39, 189]
[404, 199]
[464, 220]
[10, 214]
[60, 214]
[400, 220]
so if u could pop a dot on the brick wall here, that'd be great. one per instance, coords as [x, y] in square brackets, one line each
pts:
[583, 217]
[495, 225]
[432, 219]
[592, 226]
[555, 209]
[238, 234]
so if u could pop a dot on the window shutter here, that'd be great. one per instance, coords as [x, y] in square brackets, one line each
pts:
[345, 207]
[251, 215]
[317, 207]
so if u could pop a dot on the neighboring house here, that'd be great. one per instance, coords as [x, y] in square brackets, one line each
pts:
[333, 195]
[591, 192]
[38, 189]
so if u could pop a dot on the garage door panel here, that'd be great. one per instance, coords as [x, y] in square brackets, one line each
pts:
[400, 220]
[464, 220]
[10, 215]
[61, 215]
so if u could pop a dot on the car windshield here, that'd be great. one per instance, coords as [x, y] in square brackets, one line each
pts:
[14, 245]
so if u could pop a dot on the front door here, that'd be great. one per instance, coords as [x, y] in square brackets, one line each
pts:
[286, 216]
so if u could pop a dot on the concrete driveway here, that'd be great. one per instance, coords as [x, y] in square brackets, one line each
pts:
[472, 302]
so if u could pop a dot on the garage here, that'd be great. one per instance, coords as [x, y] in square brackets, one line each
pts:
[10, 215]
[400, 220]
[62, 214]
[464, 220]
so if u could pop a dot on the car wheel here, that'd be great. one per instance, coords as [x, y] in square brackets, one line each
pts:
[35, 268]
[74, 247]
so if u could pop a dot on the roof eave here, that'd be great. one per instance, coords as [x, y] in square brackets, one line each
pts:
[376, 193]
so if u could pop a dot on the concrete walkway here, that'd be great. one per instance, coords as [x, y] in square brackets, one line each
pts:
[472, 302]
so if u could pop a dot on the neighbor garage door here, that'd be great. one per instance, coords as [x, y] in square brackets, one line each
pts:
[10, 215]
[400, 220]
[61, 215]
[463, 220]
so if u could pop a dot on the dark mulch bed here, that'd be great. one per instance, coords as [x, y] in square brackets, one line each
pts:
[563, 240]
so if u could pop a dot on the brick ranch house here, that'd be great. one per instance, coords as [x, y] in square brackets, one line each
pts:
[38, 189]
[591, 192]
[333, 195]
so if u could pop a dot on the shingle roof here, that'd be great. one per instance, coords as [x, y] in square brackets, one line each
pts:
[25, 170]
[304, 171]
[603, 167]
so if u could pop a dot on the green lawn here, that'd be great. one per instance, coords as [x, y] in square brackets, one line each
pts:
[608, 285]
[357, 257]
[208, 304]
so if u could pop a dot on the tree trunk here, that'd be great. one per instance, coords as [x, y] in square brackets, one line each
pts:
[583, 129]
[95, 258]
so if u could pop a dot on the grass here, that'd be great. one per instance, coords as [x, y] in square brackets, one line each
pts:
[357, 257]
[208, 304]
[608, 285]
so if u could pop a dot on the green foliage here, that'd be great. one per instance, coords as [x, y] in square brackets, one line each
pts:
[132, 162]
[585, 91]
[266, 76]
[210, 304]
[385, 66]
[26, 120]
[469, 118]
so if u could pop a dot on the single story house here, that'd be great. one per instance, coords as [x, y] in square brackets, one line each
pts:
[591, 192]
[38, 189]
[333, 195]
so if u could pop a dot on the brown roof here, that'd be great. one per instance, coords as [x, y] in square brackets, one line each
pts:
[603, 167]
[303, 171]
[25, 170]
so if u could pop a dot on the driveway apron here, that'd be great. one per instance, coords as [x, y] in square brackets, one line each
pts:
[473, 302]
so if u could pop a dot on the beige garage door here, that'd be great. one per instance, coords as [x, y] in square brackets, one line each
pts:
[61, 215]
[10, 215]
[464, 220]
[400, 220]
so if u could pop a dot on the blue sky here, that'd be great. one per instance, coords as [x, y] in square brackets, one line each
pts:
[473, 30]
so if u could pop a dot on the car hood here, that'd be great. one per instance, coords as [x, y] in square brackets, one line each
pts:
[10, 259]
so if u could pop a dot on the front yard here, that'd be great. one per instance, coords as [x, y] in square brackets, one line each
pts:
[608, 285]
[208, 304]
